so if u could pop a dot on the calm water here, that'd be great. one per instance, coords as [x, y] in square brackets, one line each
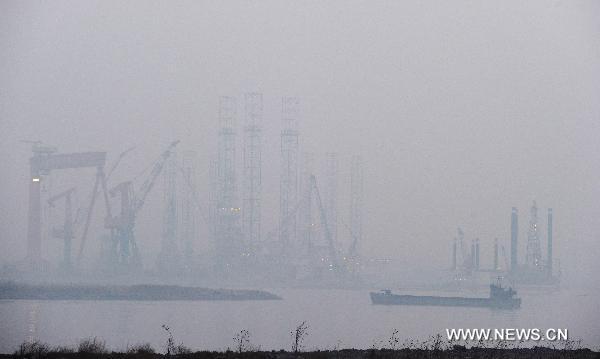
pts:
[336, 318]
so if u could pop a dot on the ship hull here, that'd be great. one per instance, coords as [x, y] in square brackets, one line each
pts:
[394, 299]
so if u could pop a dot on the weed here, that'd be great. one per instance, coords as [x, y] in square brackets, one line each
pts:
[92, 346]
[298, 335]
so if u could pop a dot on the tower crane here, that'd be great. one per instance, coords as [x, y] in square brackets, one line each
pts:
[122, 225]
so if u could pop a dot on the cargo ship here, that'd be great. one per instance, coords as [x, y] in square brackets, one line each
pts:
[504, 298]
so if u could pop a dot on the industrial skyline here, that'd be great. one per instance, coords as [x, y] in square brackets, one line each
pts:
[450, 130]
[222, 172]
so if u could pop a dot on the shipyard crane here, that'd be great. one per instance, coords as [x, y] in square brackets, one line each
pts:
[124, 248]
[42, 163]
[101, 179]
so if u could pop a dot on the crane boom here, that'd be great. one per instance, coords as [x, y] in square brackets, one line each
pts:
[116, 164]
[323, 216]
[62, 194]
[122, 226]
[149, 183]
[102, 179]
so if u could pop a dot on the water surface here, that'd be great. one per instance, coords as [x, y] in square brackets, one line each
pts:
[336, 318]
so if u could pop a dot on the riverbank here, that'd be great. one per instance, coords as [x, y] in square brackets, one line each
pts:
[456, 352]
[143, 292]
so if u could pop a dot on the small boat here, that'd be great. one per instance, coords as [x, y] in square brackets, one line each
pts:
[499, 298]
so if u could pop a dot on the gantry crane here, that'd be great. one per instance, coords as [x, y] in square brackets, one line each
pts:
[124, 248]
[43, 161]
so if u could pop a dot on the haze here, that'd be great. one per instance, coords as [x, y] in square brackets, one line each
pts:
[459, 110]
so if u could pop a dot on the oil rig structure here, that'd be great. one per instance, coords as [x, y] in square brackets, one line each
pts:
[304, 245]
[534, 270]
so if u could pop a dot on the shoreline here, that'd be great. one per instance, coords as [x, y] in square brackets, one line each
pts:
[457, 351]
[140, 292]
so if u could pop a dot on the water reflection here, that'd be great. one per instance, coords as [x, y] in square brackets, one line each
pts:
[33, 309]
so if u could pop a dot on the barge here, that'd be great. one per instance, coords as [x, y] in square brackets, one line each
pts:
[504, 298]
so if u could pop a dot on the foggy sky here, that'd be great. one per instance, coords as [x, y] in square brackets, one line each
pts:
[460, 110]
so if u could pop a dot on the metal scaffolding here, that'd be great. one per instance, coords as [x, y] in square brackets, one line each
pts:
[169, 255]
[189, 226]
[356, 203]
[228, 231]
[305, 215]
[549, 254]
[170, 201]
[252, 169]
[289, 171]
[213, 194]
[534, 252]
[331, 178]
[514, 239]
